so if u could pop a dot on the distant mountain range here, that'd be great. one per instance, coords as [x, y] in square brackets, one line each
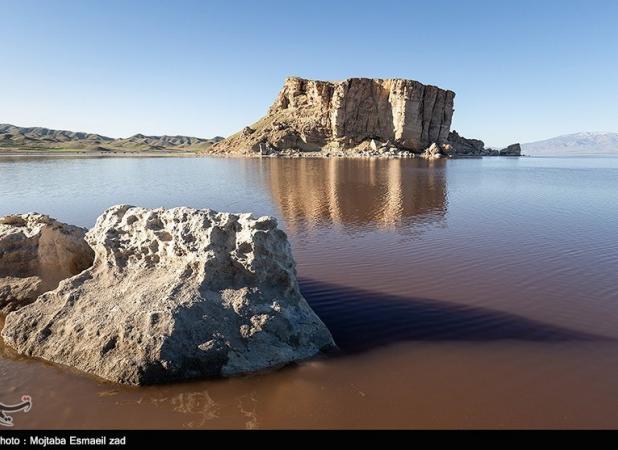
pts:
[37, 138]
[13, 138]
[577, 144]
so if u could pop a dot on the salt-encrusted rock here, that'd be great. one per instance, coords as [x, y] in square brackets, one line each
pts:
[36, 253]
[310, 115]
[175, 294]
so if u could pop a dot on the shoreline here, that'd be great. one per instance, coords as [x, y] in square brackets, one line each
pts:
[360, 155]
[145, 154]
[189, 154]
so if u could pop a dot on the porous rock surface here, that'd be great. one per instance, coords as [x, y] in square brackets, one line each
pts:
[36, 253]
[312, 116]
[175, 294]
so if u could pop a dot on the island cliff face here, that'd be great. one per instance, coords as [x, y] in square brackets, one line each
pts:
[310, 115]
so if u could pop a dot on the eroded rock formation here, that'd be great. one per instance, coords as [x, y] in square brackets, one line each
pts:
[511, 150]
[311, 116]
[461, 146]
[175, 294]
[464, 146]
[36, 253]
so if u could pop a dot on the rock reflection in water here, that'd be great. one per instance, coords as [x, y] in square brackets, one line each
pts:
[368, 193]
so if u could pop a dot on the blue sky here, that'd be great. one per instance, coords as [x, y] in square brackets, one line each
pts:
[522, 70]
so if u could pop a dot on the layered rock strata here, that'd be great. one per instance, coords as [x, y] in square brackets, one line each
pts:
[312, 116]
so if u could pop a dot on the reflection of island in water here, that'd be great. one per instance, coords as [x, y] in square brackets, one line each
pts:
[367, 193]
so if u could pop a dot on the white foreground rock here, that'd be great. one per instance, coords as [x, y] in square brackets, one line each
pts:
[36, 253]
[175, 294]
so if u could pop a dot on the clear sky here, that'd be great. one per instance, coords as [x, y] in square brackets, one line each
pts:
[522, 70]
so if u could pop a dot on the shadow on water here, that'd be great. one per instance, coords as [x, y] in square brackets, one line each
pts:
[361, 320]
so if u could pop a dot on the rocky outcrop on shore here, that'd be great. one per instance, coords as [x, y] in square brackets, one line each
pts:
[354, 115]
[36, 253]
[175, 294]
[464, 146]
[511, 150]
[461, 146]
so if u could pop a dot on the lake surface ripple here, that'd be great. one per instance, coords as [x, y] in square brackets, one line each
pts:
[463, 293]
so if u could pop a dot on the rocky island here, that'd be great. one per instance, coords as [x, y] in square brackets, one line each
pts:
[357, 116]
[172, 294]
[366, 117]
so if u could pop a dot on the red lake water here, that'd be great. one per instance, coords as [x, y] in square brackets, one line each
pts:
[462, 293]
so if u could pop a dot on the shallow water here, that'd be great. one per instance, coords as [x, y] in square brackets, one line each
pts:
[463, 293]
